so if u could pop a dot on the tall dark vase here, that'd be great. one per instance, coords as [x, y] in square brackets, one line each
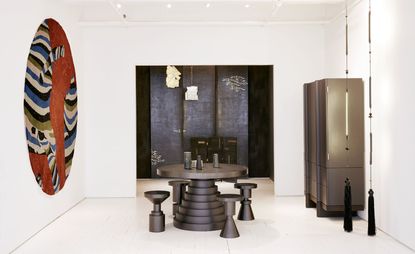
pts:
[348, 220]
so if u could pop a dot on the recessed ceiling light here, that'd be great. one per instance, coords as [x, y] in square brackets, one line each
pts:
[168, 6]
[247, 6]
[207, 5]
[119, 5]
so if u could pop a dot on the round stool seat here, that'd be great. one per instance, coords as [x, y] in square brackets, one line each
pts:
[245, 186]
[178, 182]
[229, 197]
[156, 197]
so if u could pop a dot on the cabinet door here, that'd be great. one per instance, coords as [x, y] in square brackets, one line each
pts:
[336, 129]
[305, 121]
[356, 123]
[312, 111]
[166, 120]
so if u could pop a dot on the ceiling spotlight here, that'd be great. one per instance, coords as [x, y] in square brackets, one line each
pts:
[119, 5]
[247, 5]
[207, 5]
[168, 6]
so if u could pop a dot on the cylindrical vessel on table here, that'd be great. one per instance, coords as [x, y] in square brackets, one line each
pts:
[215, 160]
[199, 162]
[187, 160]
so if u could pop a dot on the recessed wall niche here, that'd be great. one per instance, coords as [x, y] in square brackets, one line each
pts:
[233, 102]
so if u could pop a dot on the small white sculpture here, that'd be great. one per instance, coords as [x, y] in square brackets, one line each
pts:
[173, 77]
[191, 94]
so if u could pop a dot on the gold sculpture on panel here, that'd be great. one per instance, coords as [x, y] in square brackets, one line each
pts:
[173, 76]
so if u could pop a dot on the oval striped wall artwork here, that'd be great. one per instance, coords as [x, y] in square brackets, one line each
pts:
[50, 107]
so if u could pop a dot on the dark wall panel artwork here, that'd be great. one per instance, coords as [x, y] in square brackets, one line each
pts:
[231, 115]
[232, 107]
[199, 116]
[166, 111]
[50, 107]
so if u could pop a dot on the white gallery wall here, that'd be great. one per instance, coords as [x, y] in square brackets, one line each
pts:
[112, 52]
[393, 104]
[24, 208]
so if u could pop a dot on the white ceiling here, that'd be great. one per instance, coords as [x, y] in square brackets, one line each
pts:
[156, 11]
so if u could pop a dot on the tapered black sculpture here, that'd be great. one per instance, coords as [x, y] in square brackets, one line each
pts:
[348, 220]
[371, 230]
[245, 212]
[229, 229]
[156, 217]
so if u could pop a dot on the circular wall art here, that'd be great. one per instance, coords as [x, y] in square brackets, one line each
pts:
[50, 106]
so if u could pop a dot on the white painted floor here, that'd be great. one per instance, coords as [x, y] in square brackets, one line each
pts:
[282, 225]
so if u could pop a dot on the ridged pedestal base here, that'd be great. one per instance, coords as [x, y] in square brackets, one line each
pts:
[200, 210]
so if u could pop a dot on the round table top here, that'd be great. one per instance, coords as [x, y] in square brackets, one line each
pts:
[208, 171]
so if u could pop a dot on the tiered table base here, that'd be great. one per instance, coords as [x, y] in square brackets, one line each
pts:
[200, 210]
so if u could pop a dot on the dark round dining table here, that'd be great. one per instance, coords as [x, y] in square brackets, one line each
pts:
[199, 209]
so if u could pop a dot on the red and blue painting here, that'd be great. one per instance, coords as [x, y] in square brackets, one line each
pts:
[50, 107]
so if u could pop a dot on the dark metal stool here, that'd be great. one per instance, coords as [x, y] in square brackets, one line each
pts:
[245, 212]
[157, 218]
[179, 188]
[229, 229]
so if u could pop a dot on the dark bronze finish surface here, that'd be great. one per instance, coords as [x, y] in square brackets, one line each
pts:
[199, 191]
[225, 147]
[229, 229]
[199, 146]
[245, 212]
[179, 189]
[334, 144]
[208, 171]
[199, 209]
[156, 217]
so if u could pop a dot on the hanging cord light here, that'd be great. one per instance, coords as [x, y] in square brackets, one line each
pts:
[347, 76]
[191, 75]
[348, 219]
[371, 201]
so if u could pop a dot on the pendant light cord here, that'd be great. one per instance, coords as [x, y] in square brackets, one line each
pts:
[347, 70]
[370, 91]
[191, 75]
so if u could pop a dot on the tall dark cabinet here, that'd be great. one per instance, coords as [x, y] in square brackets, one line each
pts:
[334, 144]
